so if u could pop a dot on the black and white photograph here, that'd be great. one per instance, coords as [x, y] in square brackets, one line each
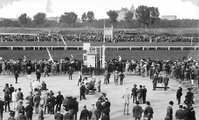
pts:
[99, 59]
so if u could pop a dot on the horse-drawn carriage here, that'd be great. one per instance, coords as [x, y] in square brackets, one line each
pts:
[162, 81]
[90, 84]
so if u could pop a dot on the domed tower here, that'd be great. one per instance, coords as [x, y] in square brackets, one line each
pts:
[132, 9]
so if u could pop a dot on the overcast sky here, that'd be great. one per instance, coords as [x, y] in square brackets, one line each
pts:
[13, 8]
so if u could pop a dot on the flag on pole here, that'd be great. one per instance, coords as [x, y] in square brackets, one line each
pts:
[108, 32]
[50, 56]
[120, 58]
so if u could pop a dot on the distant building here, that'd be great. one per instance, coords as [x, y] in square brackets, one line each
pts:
[53, 19]
[122, 13]
[169, 17]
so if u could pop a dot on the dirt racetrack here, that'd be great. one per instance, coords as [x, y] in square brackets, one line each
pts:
[159, 99]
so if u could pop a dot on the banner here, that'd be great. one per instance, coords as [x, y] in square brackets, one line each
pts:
[108, 33]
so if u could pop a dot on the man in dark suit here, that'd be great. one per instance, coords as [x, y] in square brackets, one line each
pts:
[70, 73]
[134, 93]
[166, 82]
[59, 99]
[84, 114]
[76, 108]
[144, 90]
[148, 111]
[169, 115]
[29, 111]
[58, 115]
[1, 109]
[82, 92]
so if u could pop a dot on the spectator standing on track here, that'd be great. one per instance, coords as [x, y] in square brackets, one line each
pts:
[11, 91]
[134, 93]
[70, 73]
[7, 97]
[29, 71]
[59, 99]
[169, 114]
[41, 113]
[137, 111]
[178, 95]
[93, 112]
[82, 92]
[12, 115]
[80, 78]
[29, 111]
[144, 90]
[166, 82]
[148, 111]
[16, 74]
[126, 97]
[1, 109]
[155, 80]
[76, 108]
[14, 99]
[58, 115]
[140, 95]
[189, 97]
[84, 114]
[99, 85]
[116, 77]
[190, 115]
[36, 101]
[121, 76]
[180, 113]
[38, 74]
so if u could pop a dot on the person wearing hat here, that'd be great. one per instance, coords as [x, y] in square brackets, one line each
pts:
[134, 93]
[169, 114]
[179, 94]
[126, 97]
[20, 107]
[14, 99]
[93, 112]
[19, 95]
[21, 116]
[84, 115]
[189, 97]
[1, 109]
[29, 110]
[41, 113]
[137, 111]
[59, 98]
[148, 111]
[180, 113]
[67, 115]
[58, 115]
[12, 115]
[36, 101]
[190, 114]
[166, 82]
[155, 80]
[144, 91]
[76, 108]
[38, 75]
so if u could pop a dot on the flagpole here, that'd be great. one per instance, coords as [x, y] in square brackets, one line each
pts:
[104, 32]
[51, 58]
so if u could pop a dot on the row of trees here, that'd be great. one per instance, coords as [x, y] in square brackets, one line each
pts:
[146, 17]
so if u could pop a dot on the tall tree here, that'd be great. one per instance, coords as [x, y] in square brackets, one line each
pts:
[147, 15]
[90, 16]
[129, 16]
[68, 18]
[112, 16]
[39, 18]
[24, 20]
[84, 17]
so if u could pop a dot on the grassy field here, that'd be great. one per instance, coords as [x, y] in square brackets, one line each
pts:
[178, 31]
[110, 54]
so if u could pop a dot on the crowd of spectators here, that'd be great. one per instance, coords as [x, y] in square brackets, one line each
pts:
[96, 36]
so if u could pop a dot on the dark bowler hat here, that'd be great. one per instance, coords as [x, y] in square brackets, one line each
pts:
[171, 102]
[137, 102]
